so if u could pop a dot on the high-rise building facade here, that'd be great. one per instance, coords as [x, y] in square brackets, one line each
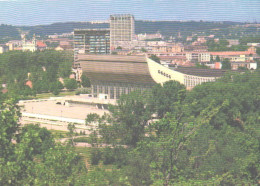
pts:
[92, 41]
[122, 28]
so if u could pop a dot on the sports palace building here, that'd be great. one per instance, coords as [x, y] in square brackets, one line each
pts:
[114, 75]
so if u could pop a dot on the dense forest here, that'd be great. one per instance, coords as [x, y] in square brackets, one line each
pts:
[207, 136]
[8, 32]
[43, 69]
[164, 136]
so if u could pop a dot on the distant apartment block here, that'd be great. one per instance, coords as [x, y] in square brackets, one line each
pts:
[122, 29]
[198, 56]
[92, 41]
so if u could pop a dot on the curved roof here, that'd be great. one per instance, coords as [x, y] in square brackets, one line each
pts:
[200, 72]
[115, 68]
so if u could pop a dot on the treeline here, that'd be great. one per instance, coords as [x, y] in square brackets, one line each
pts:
[167, 28]
[8, 32]
[207, 136]
[43, 69]
[222, 45]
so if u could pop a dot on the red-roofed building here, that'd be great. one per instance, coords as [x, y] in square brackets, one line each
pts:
[235, 56]
[41, 45]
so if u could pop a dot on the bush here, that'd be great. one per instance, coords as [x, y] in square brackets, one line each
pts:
[108, 156]
[82, 91]
[70, 84]
[95, 156]
[82, 139]
[85, 82]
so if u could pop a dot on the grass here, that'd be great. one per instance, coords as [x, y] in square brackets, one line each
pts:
[57, 134]
[48, 95]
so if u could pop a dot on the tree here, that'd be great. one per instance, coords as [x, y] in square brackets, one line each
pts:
[114, 53]
[143, 50]
[155, 58]
[55, 87]
[9, 116]
[120, 126]
[70, 84]
[165, 97]
[34, 140]
[226, 64]
[61, 166]
[85, 82]
[217, 59]
[34, 159]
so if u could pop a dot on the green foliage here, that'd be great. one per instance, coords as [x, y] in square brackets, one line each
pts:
[258, 51]
[108, 156]
[8, 32]
[217, 59]
[96, 156]
[34, 159]
[33, 140]
[70, 84]
[206, 136]
[55, 87]
[61, 166]
[41, 68]
[165, 97]
[130, 127]
[85, 82]
[83, 91]
[9, 116]
[226, 64]
[222, 46]
[252, 39]
[143, 50]
[114, 53]
[155, 58]
[203, 66]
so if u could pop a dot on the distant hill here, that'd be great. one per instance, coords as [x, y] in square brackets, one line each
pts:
[8, 32]
[167, 28]
[164, 27]
[60, 28]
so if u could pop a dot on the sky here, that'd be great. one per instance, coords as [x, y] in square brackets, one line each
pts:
[39, 12]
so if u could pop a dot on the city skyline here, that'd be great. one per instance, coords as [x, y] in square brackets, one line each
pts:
[36, 12]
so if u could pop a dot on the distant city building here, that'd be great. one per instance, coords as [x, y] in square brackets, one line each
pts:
[198, 56]
[29, 45]
[233, 42]
[3, 48]
[32, 45]
[149, 36]
[253, 44]
[122, 29]
[92, 41]
[114, 75]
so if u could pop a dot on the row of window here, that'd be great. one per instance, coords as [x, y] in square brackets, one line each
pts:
[114, 91]
[191, 81]
[164, 74]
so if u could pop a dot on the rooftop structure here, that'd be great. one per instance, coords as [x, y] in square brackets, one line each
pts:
[92, 41]
[122, 29]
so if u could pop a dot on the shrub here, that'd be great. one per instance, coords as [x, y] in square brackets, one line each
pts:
[108, 156]
[95, 156]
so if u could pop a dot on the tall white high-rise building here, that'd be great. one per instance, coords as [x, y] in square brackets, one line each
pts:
[122, 29]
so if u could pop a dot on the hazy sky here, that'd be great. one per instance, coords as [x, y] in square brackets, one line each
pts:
[35, 12]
